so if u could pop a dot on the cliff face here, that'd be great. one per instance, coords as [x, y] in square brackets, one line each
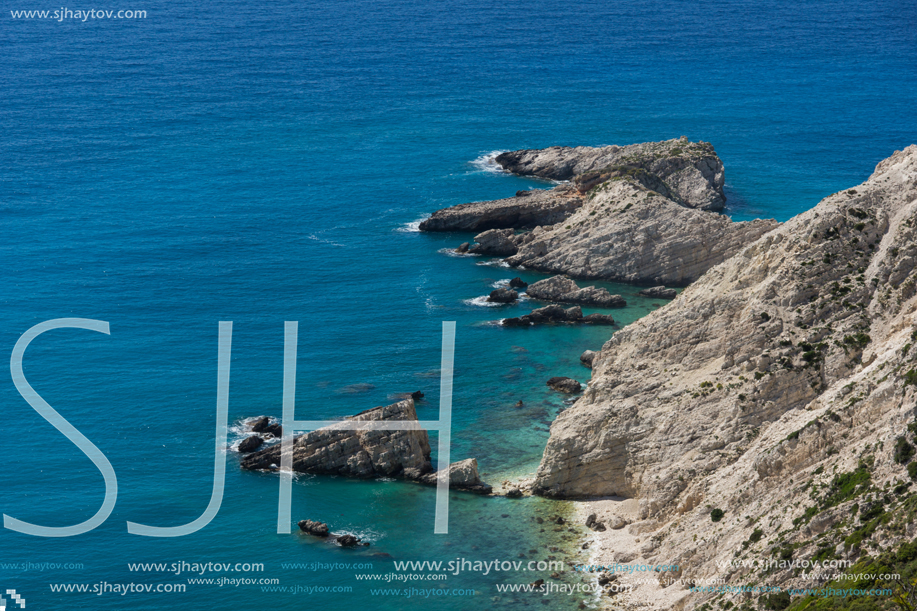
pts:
[790, 361]
[790, 316]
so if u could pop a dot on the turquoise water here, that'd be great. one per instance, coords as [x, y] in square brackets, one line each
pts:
[265, 162]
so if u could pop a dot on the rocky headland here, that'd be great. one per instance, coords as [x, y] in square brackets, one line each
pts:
[768, 412]
[643, 213]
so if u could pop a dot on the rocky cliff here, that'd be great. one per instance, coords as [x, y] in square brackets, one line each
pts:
[778, 387]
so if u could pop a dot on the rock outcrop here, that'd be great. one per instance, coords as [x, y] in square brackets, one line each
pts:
[565, 290]
[538, 207]
[356, 453]
[770, 382]
[659, 292]
[687, 172]
[628, 233]
[463, 475]
[502, 296]
[557, 314]
[566, 385]
[495, 242]
[370, 453]
[587, 357]
[250, 444]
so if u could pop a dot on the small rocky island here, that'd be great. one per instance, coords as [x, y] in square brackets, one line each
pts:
[370, 453]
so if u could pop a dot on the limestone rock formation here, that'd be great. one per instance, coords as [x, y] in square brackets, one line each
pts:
[587, 357]
[629, 233]
[563, 290]
[540, 207]
[463, 475]
[496, 242]
[770, 382]
[370, 453]
[638, 213]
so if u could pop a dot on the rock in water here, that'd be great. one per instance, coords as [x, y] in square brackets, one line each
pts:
[566, 385]
[564, 290]
[463, 475]
[598, 319]
[356, 453]
[417, 395]
[659, 292]
[370, 453]
[503, 296]
[518, 283]
[587, 357]
[250, 444]
[318, 529]
[348, 541]
[546, 315]
[463, 248]
[496, 242]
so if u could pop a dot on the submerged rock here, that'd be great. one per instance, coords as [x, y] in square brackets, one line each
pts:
[659, 292]
[598, 319]
[565, 290]
[565, 385]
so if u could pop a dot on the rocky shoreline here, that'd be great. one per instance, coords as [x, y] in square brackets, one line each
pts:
[782, 371]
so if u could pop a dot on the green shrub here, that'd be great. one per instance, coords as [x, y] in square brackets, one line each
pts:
[912, 470]
[903, 451]
[717, 514]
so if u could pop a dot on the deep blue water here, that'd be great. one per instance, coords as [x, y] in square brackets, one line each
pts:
[263, 162]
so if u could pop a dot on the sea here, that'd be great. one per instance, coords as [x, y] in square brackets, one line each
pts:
[263, 162]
